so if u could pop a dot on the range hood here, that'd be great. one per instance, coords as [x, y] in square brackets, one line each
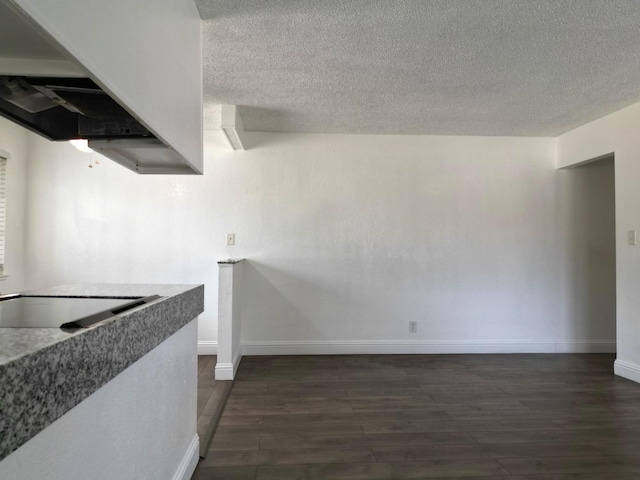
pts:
[65, 108]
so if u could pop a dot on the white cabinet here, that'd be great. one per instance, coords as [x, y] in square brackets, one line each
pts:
[146, 55]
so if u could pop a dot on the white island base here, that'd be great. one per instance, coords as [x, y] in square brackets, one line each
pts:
[140, 425]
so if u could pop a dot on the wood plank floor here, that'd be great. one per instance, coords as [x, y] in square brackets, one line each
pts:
[491, 417]
[212, 396]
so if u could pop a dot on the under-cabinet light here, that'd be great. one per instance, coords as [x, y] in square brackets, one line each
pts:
[81, 144]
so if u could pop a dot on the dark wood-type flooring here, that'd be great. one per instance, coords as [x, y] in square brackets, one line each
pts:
[212, 396]
[489, 417]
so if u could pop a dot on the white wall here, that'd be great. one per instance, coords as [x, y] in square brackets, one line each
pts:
[107, 224]
[13, 139]
[348, 238]
[617, 133]
[368, 233]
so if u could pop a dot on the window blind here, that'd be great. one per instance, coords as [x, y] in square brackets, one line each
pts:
[4, 156]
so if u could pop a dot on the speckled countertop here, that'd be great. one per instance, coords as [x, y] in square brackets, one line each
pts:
[45, 372]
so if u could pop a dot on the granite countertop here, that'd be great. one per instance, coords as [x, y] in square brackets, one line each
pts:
[45, 372]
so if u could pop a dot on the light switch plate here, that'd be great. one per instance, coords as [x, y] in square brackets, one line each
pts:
[631, 237]
[231, 238]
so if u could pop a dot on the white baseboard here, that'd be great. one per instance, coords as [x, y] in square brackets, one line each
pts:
[627, 370]
[418, 347]
[207, 348]
[224, 371]
[583, 346]
[189, 460]
[227, 371]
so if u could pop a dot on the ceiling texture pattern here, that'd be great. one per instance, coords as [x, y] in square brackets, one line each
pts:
[452, 67]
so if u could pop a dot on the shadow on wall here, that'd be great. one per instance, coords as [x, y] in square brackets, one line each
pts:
[296, 304]
[587, 221]
[266, 304]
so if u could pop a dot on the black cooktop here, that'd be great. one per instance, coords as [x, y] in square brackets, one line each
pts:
[17, 311]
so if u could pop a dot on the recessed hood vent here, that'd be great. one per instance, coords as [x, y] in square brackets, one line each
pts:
[66, 108]
[61, 108]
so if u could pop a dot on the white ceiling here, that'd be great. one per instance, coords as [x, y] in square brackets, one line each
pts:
[463, 67]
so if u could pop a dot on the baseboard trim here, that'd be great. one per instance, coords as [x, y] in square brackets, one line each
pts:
[236, 360]
[596, 346]
[224, 371]
[206, 347]
[227, 371]
[413, 347]
[627, 370]
[189, 460]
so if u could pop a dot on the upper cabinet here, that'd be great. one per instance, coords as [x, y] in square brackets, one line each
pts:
[144, 56]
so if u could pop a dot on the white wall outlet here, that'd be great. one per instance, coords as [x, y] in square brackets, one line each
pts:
[631, 237]
[231, 238]
[413, 327]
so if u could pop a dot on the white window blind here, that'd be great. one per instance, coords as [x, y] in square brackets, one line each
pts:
[4, 156]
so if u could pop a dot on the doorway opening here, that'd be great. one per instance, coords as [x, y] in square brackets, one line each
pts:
[587, 223]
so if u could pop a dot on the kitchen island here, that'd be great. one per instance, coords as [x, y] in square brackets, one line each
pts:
[115, 400]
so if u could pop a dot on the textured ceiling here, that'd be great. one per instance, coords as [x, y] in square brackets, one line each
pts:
[462, 67]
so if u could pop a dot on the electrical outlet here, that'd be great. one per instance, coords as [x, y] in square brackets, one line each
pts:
[231, 238]
[413, 327]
